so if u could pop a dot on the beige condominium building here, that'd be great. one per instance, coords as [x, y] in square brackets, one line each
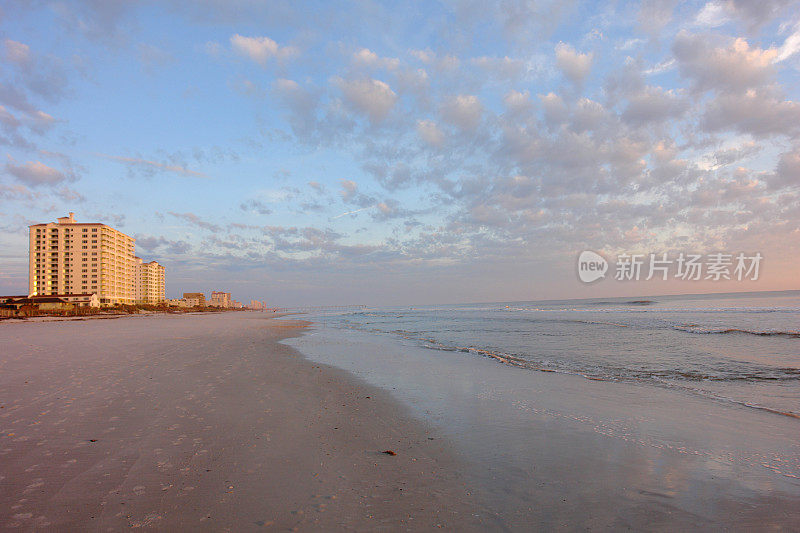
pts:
[67, 257]
[149, 282]
[220, 299]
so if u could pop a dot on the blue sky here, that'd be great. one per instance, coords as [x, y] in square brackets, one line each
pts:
[361, 152]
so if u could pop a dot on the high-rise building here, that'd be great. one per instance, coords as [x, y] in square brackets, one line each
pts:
[67, 257]
[149, 286]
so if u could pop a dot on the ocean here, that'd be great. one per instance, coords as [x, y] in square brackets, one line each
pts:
[741, 347]
[667, 412]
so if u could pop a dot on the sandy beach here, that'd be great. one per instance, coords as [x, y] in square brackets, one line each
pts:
[215, 422]
[206, 422]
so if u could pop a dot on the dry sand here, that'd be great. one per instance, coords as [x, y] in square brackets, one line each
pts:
[206, 422]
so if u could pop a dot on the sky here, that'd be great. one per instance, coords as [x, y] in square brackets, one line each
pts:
[332, 153]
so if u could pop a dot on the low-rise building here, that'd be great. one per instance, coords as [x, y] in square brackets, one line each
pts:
[199, 296]
[54, 301]
[220, 299]
[182, 302]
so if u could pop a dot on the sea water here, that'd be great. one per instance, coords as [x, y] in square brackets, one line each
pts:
[681, 411]
[741, 347]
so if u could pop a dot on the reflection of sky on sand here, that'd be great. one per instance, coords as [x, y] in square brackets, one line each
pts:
[568, 452]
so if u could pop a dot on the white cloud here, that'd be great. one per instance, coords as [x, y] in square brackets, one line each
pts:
[367, 58]
[790, 46]
[369, 96]
[464, 111]
[36, 173]
[154, 166]
[430, 132]
[504, 68]
[518, 102]
[573, 64]
[261, 49]
[755, 112]
[555, 110]
[736, 66]
[652, 105]
[713, 14]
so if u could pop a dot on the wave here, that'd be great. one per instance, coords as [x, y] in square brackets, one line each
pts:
[751, 375]
[628, 302]
[713, 396]
[692, 328]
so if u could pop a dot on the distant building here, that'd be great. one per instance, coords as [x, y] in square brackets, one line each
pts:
[220, 299]
[67, 257]
[182, 302]
[255, 304]
[199, 296]
[51, 303]
[149, 282]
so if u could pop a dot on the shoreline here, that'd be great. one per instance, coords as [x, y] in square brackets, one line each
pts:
[209, 422]
[116, 313]
[564, 452]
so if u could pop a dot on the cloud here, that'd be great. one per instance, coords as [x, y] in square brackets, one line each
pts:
[555, 110]
[153, 57]
[518, 102]
[501, 68]
[574, 65]
[652, 105]
[733, 67]
[16, 192]
[712, 15]
[790, 46]
[152, 243]
[36, 173]
[367, 58]
[15, 52]
[99, 21]
[349, 189]
[197, 221]
[261, 49]
[464, 111]
[302, 105]
[13, 97]
[152, 167]
[7, 120]
[369, 96]
[755, 14]
[430, 133]
[256, 206]
[788, 171]
[728, 156]
[42, 75]
[655, 14]
[755, 112]
[40, 122]
[212, 48]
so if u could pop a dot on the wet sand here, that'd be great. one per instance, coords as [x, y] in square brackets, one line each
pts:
[559, 452]
[206, 422]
